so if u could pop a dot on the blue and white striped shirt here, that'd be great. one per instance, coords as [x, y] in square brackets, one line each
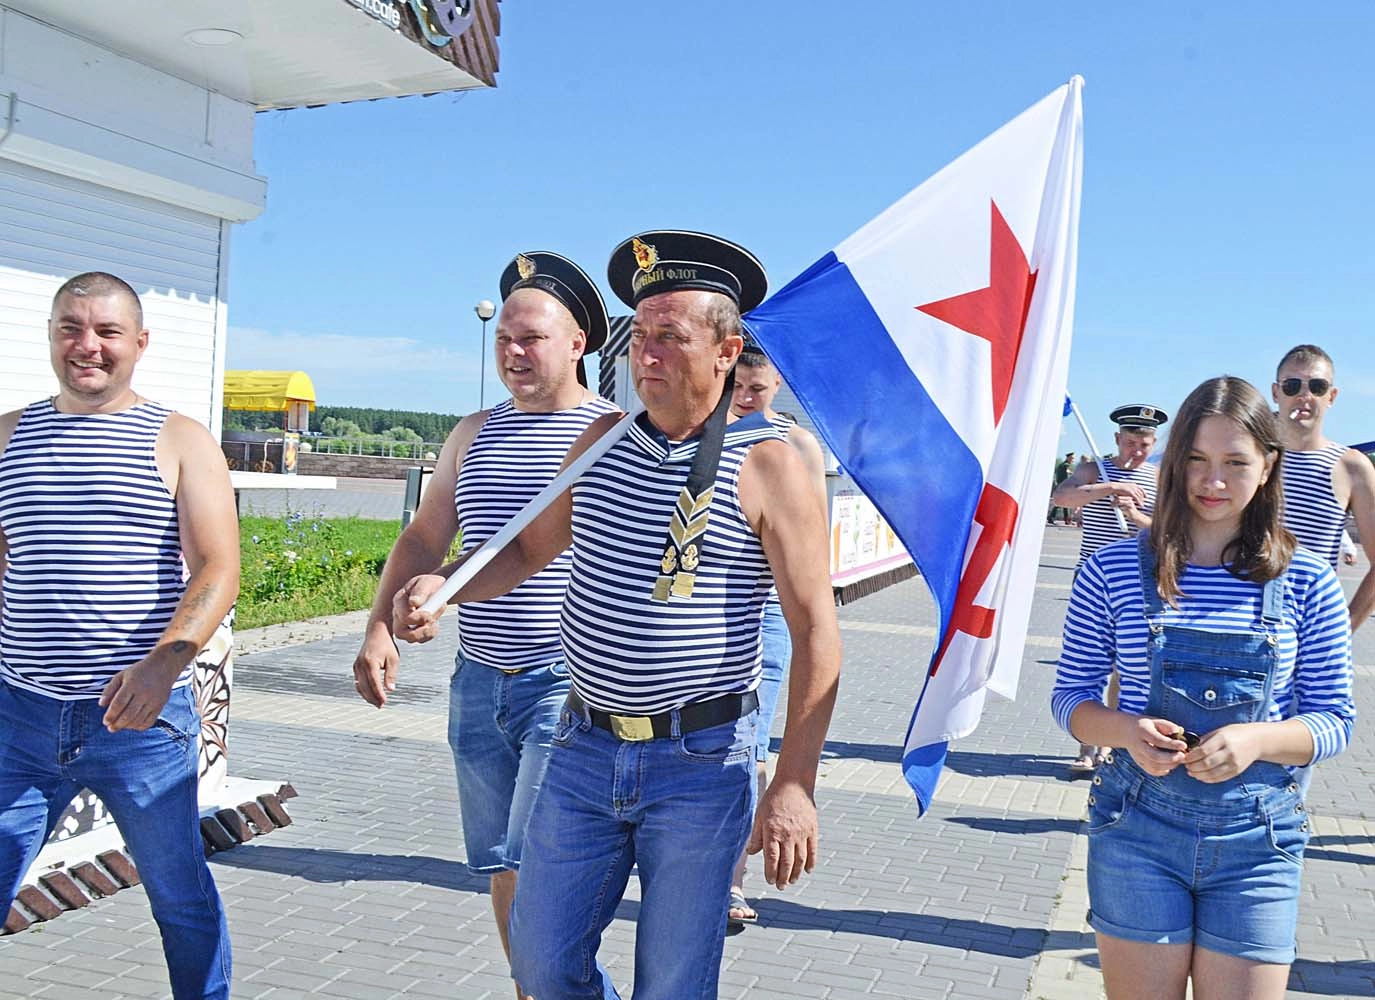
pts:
[1311, 510]
[625, 652]
[514, 455]
[94, 570]
[1105, 626]
[1099, 518]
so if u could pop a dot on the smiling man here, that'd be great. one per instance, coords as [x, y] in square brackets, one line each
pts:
[1323, 480]
[105, 497]
[510, 681]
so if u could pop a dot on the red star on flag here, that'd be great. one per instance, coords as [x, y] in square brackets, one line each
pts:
[996, 313]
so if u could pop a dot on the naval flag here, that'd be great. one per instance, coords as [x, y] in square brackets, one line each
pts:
[931, 350]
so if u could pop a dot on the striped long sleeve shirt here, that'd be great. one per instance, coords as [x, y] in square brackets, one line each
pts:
[1106, 627]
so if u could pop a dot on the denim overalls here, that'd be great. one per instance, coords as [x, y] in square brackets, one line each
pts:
[1173, 859]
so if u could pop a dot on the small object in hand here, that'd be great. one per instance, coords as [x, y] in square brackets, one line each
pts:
[1191, 740]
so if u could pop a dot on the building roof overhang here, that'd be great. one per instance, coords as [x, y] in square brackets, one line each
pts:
[290, 53]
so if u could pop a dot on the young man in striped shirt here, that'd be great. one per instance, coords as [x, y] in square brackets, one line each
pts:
[510, 680]
[105, 497]
[1323, 480]
[653, 761]
[757, 382]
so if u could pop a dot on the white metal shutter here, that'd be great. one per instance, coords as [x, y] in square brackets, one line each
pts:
[53, 227]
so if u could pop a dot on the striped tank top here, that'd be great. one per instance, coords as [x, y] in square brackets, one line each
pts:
[625, 652]
[94, 570]
[513, 456]
[1311, 510]
[1099, 518]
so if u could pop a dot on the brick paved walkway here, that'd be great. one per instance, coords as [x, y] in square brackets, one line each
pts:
[364, 896]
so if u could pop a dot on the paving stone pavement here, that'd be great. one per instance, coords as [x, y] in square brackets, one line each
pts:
[364, 895]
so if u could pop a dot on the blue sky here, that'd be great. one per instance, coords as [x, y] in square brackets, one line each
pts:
[1227, 211]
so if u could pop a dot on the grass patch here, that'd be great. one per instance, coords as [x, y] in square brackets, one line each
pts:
[298, 566]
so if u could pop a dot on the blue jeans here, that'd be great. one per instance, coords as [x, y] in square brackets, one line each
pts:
[51, 749]
[778, 652]
[680, 807]
[501, 730]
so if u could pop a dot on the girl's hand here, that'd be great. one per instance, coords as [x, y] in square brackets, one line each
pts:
[1153, 746]
[1224, 753]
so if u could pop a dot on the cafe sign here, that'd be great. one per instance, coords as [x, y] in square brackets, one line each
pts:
[440, 21]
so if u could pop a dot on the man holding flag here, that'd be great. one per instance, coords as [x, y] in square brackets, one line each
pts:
[678, 530]
[961, 299]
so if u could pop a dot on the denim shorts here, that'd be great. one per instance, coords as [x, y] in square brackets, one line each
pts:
[778, 652]
[1169, 870]
[501, 730]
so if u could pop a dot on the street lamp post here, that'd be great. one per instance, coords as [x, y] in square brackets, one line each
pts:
[485, 310]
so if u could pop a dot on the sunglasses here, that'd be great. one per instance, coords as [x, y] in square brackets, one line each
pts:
[1294, 386]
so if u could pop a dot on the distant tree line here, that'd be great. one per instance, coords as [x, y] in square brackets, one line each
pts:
[352, 422]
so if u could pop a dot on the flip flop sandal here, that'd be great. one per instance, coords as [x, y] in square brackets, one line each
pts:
[737, 904]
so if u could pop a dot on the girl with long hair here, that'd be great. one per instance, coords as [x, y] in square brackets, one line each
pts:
[1234, 651]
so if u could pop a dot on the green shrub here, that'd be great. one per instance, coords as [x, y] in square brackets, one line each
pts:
[299, 566]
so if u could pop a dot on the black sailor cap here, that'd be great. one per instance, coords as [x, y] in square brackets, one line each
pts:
[670, 260]
[561, 278]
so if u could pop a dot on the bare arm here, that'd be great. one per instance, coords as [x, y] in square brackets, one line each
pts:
[1361, 503]
[1079, 489]
[421, 547]
[528, 553]
[809, 450]
[779, 502]
[193, 468]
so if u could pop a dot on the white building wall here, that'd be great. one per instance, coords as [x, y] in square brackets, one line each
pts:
[107, 164]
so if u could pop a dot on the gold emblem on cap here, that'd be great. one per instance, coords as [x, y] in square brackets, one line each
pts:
[1147, 412]
[525, 267]
[646, 256]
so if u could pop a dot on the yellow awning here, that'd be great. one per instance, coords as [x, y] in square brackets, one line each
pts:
[264, 390]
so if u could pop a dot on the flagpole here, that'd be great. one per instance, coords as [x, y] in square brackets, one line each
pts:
[488, 550]
[1098, 460]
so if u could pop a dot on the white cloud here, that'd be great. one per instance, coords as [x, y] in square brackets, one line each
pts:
[389, 372]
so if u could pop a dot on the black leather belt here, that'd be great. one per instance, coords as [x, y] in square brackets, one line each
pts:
[699, 715]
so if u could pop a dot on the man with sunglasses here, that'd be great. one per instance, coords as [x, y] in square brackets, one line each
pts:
[1323, 480]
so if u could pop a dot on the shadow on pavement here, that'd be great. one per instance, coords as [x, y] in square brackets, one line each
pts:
[998, 824]
[1341, 857]
[950, 932]
[885, 753]
[290, 677]
[1333, 979]
[1021, 765]
[327, 866]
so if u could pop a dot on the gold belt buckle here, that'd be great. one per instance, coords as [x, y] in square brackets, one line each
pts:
[632, 728]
